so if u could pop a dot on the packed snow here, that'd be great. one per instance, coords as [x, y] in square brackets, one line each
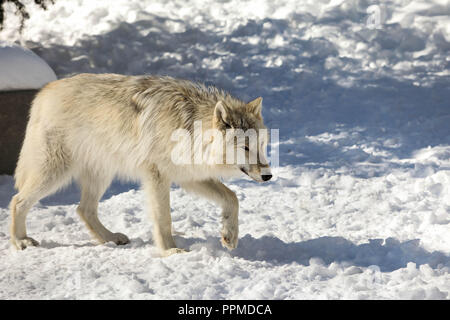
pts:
[359, 207]
[21, 68]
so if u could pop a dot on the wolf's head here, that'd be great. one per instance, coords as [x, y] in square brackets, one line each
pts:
[245, 138]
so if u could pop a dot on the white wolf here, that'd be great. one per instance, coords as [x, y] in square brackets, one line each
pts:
[94, 127]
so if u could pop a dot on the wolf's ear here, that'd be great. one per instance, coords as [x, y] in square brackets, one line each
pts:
[222, 114]
[255, 107]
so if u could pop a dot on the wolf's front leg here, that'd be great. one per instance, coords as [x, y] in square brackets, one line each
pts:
[157, 189]
[219, 193]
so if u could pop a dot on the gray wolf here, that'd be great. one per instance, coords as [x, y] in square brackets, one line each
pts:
[92, 128]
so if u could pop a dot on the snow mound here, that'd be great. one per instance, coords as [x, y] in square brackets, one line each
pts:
[21, 68]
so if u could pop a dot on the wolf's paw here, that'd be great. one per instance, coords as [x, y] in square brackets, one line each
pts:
[229, 238]
[119, 239]
[21, 244]
[172, 251]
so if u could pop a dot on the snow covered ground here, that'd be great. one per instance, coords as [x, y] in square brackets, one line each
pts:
[360, 205]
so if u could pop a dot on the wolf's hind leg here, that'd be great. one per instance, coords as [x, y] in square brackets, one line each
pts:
[216, 191]
[33, 188]
[19, 210]
[92, 187]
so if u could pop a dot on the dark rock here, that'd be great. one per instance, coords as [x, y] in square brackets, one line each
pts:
[14, 109]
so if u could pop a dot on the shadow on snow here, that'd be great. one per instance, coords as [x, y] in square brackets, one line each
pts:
[388, 255]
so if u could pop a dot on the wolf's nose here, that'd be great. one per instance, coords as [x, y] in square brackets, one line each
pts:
[266, 177]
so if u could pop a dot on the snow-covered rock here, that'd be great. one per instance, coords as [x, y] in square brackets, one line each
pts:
[20, 68]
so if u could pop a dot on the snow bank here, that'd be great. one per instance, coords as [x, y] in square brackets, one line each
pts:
[20, 68]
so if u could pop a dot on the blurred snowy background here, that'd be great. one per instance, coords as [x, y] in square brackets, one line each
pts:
[360, 205]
